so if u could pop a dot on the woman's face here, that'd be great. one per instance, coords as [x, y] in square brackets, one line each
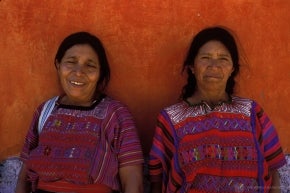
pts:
[213, 66]
[79, 72]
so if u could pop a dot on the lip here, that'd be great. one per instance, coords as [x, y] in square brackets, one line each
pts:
[213, 76]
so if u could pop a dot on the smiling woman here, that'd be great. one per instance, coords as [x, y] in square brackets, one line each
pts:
[88, 142]
[79, 72]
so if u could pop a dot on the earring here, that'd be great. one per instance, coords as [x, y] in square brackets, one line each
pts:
[191, 69]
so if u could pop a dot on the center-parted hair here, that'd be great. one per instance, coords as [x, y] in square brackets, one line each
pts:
[213, 33]
[80, 38]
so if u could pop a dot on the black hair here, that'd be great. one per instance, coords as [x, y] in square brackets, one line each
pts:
[89, 39]
[213, 33]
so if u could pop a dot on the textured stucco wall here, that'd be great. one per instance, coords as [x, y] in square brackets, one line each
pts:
[146, 42]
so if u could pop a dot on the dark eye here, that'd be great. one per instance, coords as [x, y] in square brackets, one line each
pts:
[205, 57]
[91, 65]
[70, 62]
[225, 59]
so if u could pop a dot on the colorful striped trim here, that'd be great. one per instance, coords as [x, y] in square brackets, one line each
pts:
[45, 112]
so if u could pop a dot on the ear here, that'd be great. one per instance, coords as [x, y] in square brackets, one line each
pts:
[233, 69]
[57, 64]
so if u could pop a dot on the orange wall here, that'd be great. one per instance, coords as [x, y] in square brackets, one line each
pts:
[146, 42]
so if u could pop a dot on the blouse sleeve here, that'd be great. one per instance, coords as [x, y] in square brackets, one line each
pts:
[128, 143]
[31, 139]
[162, 150]
[269, 140]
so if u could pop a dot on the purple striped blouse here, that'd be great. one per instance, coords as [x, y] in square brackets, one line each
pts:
[82, 145]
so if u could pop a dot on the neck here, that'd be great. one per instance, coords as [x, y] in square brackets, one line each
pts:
[211, 98]
[69, 101]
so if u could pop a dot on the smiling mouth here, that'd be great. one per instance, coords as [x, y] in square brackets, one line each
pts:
[77, 83]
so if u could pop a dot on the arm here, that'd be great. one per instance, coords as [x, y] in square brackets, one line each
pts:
[131, 179]
[31, 142]
[23, 186]
[160, 157]
[271, 147]
[130, 157]
[275, 187]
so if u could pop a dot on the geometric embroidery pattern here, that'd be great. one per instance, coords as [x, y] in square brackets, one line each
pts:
[209, 184]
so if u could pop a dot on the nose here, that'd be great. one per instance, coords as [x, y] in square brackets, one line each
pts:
[214, 63]
[79, 69]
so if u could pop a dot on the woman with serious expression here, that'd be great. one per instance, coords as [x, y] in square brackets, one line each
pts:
[212, 67]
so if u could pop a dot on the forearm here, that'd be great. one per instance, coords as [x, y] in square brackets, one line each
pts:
[275, 187]
[132, 179]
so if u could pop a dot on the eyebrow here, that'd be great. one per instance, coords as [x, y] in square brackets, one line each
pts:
[209, 54]
[224, 54]
[74, 57]
[71, 57]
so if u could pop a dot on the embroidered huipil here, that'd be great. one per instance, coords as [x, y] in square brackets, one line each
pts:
[226, 149]
[82, 145]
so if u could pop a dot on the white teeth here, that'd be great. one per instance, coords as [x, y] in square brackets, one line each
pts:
[77, 83]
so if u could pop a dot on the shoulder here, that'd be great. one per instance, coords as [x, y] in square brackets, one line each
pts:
[242, 105]
[242, 100]
[245, 101]
[114, 107]
[176, 108]
[50, 101]
[175, 112]
[113, 103]
[247, 104]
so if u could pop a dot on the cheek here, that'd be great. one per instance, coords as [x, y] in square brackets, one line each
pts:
[94, 78]
[61, 74]
[199, 69]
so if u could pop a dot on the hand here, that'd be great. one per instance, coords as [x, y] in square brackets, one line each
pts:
[22, 185]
